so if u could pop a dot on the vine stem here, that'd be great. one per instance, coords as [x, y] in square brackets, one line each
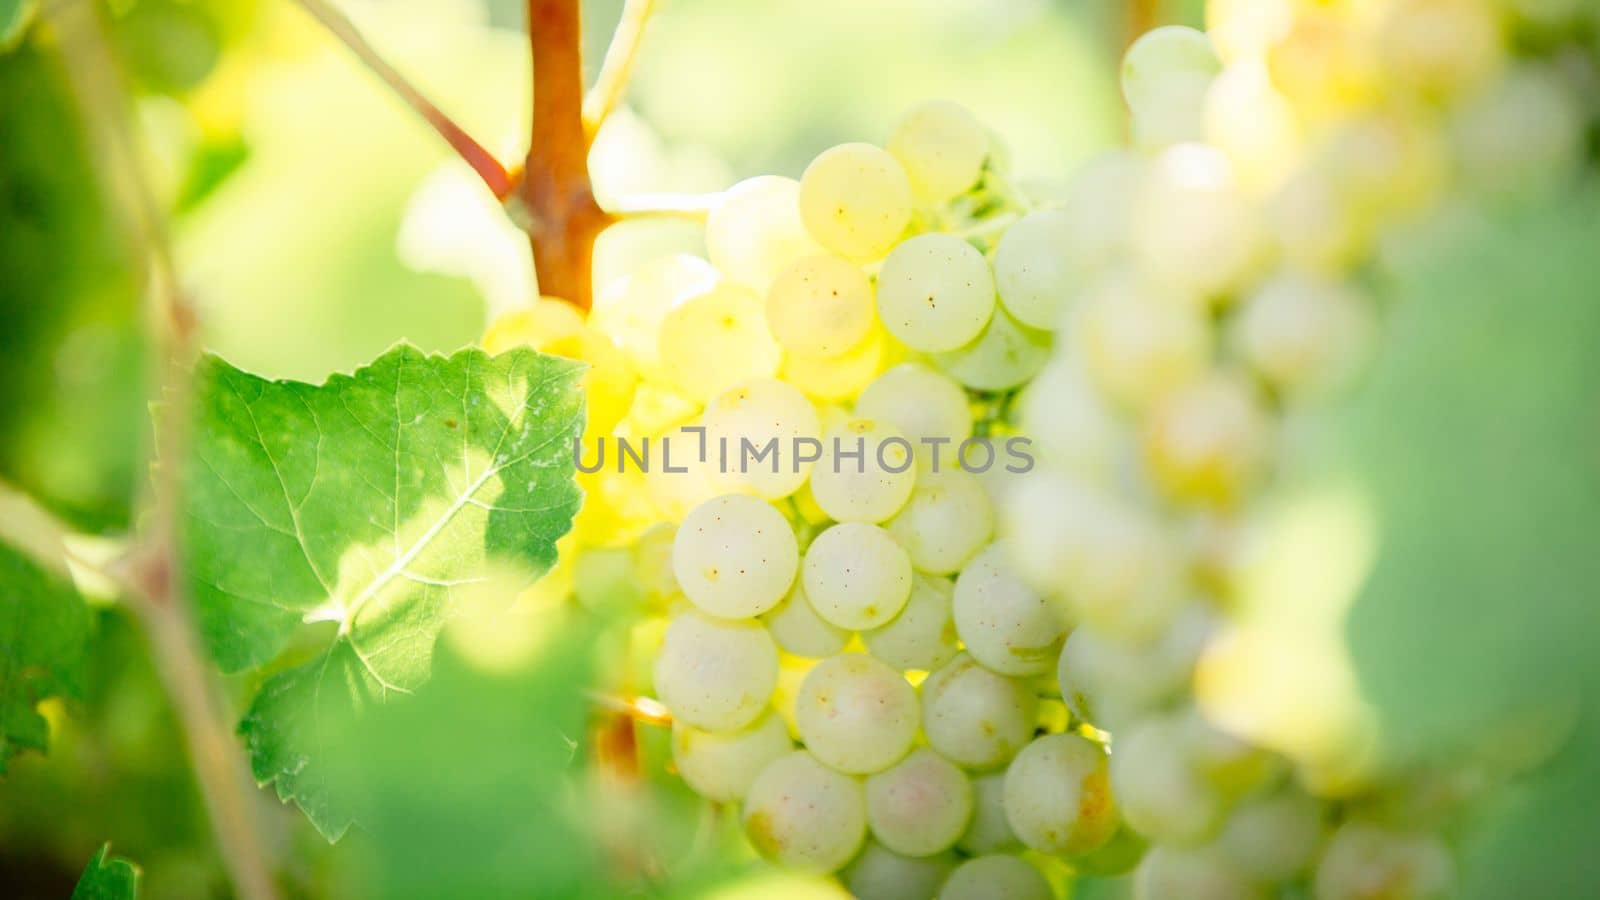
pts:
[553, 198]
[481, 160]
[617, 67]
[150, 576]
[693, 207]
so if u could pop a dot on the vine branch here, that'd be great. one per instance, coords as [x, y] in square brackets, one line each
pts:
[481, 160]
[553, 199]
[617, 67]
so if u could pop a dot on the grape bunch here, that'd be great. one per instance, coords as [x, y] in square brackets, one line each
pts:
[992, 631]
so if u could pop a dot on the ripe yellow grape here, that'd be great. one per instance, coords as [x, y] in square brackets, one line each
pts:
[556, 327]
[1209, 443]
[942, 147]
[855, 200]
[1136, 344]
[831, 379]
[715, 340]
[935, 292]
[760, 420]
[820, 306]
[755, 231]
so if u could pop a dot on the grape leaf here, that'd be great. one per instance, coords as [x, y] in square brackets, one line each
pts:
[44, 630]
[368, 501]
[107, 878]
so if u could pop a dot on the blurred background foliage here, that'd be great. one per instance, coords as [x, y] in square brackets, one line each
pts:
[317, 221]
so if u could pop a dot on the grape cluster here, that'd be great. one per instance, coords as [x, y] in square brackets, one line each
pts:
[937, 681]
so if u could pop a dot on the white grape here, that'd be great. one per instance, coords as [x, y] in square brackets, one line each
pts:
[1137, 344]
[1193, 874]
[922, 637]
[798, 629]
[1004, 356]
[715, 674]
[882, 874]
[1195, 230]
[990, 830]
[997, 877]
[856, 576]
[855, 200]
[920, 805]
[1098, 206]
[834, 379]
[975, 717]
[721, 766]
[1034, 269]
[1110, 683]
[856, 714]
[820, 306]
[735, 556]
[935, 292]
[942, 147]
[754, 231]
[1164, 53]
[1272, 837]
[947, 521]
[866, 472]
[1172, 111]
[1209, 443]
[760, 422]
[1006, 625]
[1160, 793]
[805, 816]
[1302, 333]
[716, 340]
[1523, 132]
[1058, 795]
[1070, 423]
[925, 405]
[1364, 860]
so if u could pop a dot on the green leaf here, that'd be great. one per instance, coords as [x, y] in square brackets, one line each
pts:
[15, 17]
[107, 878]
[44, 630]
[371, 501]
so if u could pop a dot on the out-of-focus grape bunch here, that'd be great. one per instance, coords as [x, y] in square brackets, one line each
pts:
[995, 633]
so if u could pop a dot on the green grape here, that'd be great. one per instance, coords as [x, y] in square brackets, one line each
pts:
[922, 637]
[1006, 625]
[1272, 837]
[821, 306]
[1004, 356]
[755, 231]
[935, 292]
[1314, 225]
[715, 674]
[990, 830]
[1522, 134]
[1070, 424]
[716, 340]
[1195, 230]
[805, 816]
[1157, 787]
[1117, 856]
[1058, 795]
[630, 309]
[1228, 762]
[947, 521]
[996, 878]
[1172, 111]
[1035, 270]
[835, 379]
[855, 200]
[1210, 442]
[1363, 860]
[1162, 54]
[974, 717]
[920, 805]
[735, 556]
[1136, 344]
[856, 714]
[1197, 873]
[942, 147]
[1111, 683]
[798, 629]
[882, 874]
[759, 422]
[1099, 208]
[721, 766]
[1303, 334]
[652, 554]
[923, 404]
[866, 473]
[856, 576]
